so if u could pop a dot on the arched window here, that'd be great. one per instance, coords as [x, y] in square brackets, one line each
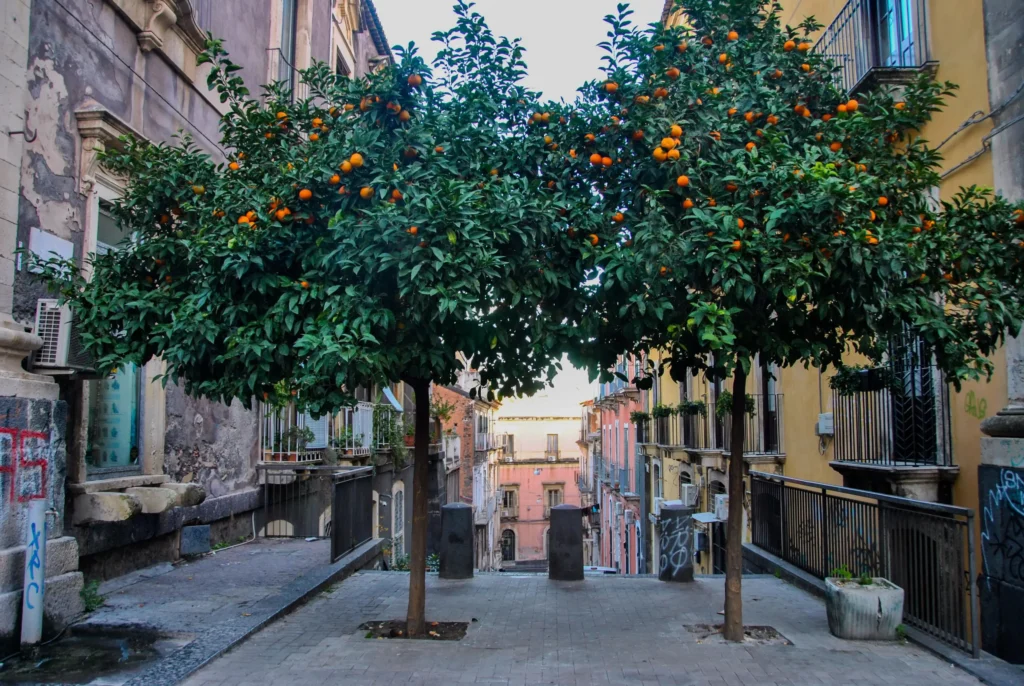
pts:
[508, 545]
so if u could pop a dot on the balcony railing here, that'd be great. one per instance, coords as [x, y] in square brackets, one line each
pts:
[552, 455]
[871, 35]
[762, 428]
[926, 549]
[287, 435]
[677, 431]
[486, 441]
[510, 512]
[908, 425]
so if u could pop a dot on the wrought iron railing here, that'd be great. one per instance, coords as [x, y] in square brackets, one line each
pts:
[908, 424]
[762, 426]
[287, 435]
[873, 34]
[924, 548]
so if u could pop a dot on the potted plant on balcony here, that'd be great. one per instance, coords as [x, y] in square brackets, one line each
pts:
[288, 445]
[410, 435]
[662, 411]
[866, 608]
[723, 407]
[692, 408]
[638, 417]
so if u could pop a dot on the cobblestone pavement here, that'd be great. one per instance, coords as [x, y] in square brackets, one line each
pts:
[529, 630]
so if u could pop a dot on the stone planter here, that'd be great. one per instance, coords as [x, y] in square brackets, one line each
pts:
[863, 612]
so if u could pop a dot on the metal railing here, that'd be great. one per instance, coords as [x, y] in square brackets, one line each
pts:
[486, 441]
[352, 521]
[624, 484]
[682, 431]
[925, 548]
[287, 435]
[873, 34]
[909, 425]
[552, 454]
[300, 500]
[762, 430]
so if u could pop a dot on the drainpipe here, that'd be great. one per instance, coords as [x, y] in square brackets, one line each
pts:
[35, 574]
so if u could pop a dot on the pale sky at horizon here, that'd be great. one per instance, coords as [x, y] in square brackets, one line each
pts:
[560, 36]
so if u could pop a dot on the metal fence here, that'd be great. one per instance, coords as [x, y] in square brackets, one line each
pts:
[925, 548]
[298, 499]
[869, 34]
[287, 435]
[906, 426]
[352, 523]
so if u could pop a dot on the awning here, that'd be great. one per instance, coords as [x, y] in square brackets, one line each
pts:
[392, 399]
[706, 517]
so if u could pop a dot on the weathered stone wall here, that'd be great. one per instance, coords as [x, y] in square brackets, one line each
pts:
[209, 443]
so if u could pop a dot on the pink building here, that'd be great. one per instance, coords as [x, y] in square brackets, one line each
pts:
[539, 472]
[621, 545]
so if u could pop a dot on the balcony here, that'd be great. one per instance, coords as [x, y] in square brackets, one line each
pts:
[287, 435]
[762, 429]
[877, 42]
[489, 441]
[510, 512]
[687, 429]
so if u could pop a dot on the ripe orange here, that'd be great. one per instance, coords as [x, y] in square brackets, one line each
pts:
[789, 46]
[661, 92]
[659, 155]
[638, 135]
[731, 187]
[335, 179]
[852, 105]
[819, 136]
[282, 214]
[835, 146]
[872, 215]
[1018, 216]
[305, 194]
[732, 35]
[494, 172]
[805, 67]
[668, 143]
[717, 135]
[595, 158]
[404, 116]
[900, 105]
[803, 47]
[740, 223]
[683, 181]
[712, 202]
[593, 239]
[673, 73]
[365, 192]
[750, 146]
[619, 217]
[723, 58]
[841, 109]
[883, 201]
[590, 138]
[673, 154]
[759, 133]
[772, 119]
[682, 47]
[233, 166]
[268, 135]
[356, 159]
[318, 122]
[396, 194]
[659, 48]
[687, 204]
[611, 86]
[749, 116]
[282, 115]
[706, 40]
[415, 80]
[872, 240]
[826, 117]
[606, 161]
[777, 74]
[413, 230]
[675, 131]
[737, 245]
[732, 111]
[314, 137]
[304, 284]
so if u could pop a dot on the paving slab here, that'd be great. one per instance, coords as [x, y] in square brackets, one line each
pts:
[526, 629]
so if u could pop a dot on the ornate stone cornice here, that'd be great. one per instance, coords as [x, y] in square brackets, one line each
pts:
[99, 129]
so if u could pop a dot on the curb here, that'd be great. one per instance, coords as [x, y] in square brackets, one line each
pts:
[988, 668]
[214, 642]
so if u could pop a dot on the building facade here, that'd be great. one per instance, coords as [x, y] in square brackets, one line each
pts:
[138, 459]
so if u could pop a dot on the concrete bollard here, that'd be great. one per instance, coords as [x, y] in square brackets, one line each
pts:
[676, 549]
[565, 546]
[456, 541]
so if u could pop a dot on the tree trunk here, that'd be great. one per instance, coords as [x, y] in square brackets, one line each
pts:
[415, 620]
[733, 629]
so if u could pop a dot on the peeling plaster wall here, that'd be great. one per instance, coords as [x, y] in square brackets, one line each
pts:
[209, 443]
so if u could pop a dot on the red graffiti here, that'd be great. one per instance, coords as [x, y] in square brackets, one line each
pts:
[28, 461]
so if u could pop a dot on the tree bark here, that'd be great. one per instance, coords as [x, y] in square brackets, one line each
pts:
[415, 619]
[733, 629]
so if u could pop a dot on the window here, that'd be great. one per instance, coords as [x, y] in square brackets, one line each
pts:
[508, 545]
[552, 498]
[113, 429]
[551, 451]
[289, 17]
[510, 501]
[656, 477]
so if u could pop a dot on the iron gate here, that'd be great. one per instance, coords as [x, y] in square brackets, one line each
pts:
[352, 521]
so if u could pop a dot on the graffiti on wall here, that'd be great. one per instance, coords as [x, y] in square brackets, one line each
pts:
[676, 546]
[975, 407]
[23, 464]
[1002, 524]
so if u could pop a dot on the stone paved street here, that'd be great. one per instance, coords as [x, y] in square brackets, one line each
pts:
[604, 630]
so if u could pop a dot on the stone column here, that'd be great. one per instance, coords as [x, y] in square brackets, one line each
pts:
[456, 541]
[33, 460]
[565, 550]
[676, 543]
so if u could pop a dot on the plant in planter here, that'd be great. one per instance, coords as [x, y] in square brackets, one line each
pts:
[638, 417]
[692, 408]
[662, 411]
[859, 379]
[291, 442]
[410, 435]
[441, 408]
[724, 405]
[865, 608]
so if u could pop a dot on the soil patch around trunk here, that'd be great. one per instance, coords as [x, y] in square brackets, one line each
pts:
[395, 628]
[708, 634]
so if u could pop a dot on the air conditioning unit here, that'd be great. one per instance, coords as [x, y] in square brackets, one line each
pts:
[722, 507]
[552, 458]
[509, 458]
[505, 513]
[53, 325]
[658, 502]
[689, 495]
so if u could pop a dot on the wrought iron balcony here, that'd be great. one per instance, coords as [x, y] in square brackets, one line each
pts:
[906, 425]
[762, 430]
[877, 41]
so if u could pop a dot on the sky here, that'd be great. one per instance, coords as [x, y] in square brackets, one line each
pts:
[560, 36]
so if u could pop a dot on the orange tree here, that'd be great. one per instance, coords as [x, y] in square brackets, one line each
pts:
[751, 208]
[366, 233]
